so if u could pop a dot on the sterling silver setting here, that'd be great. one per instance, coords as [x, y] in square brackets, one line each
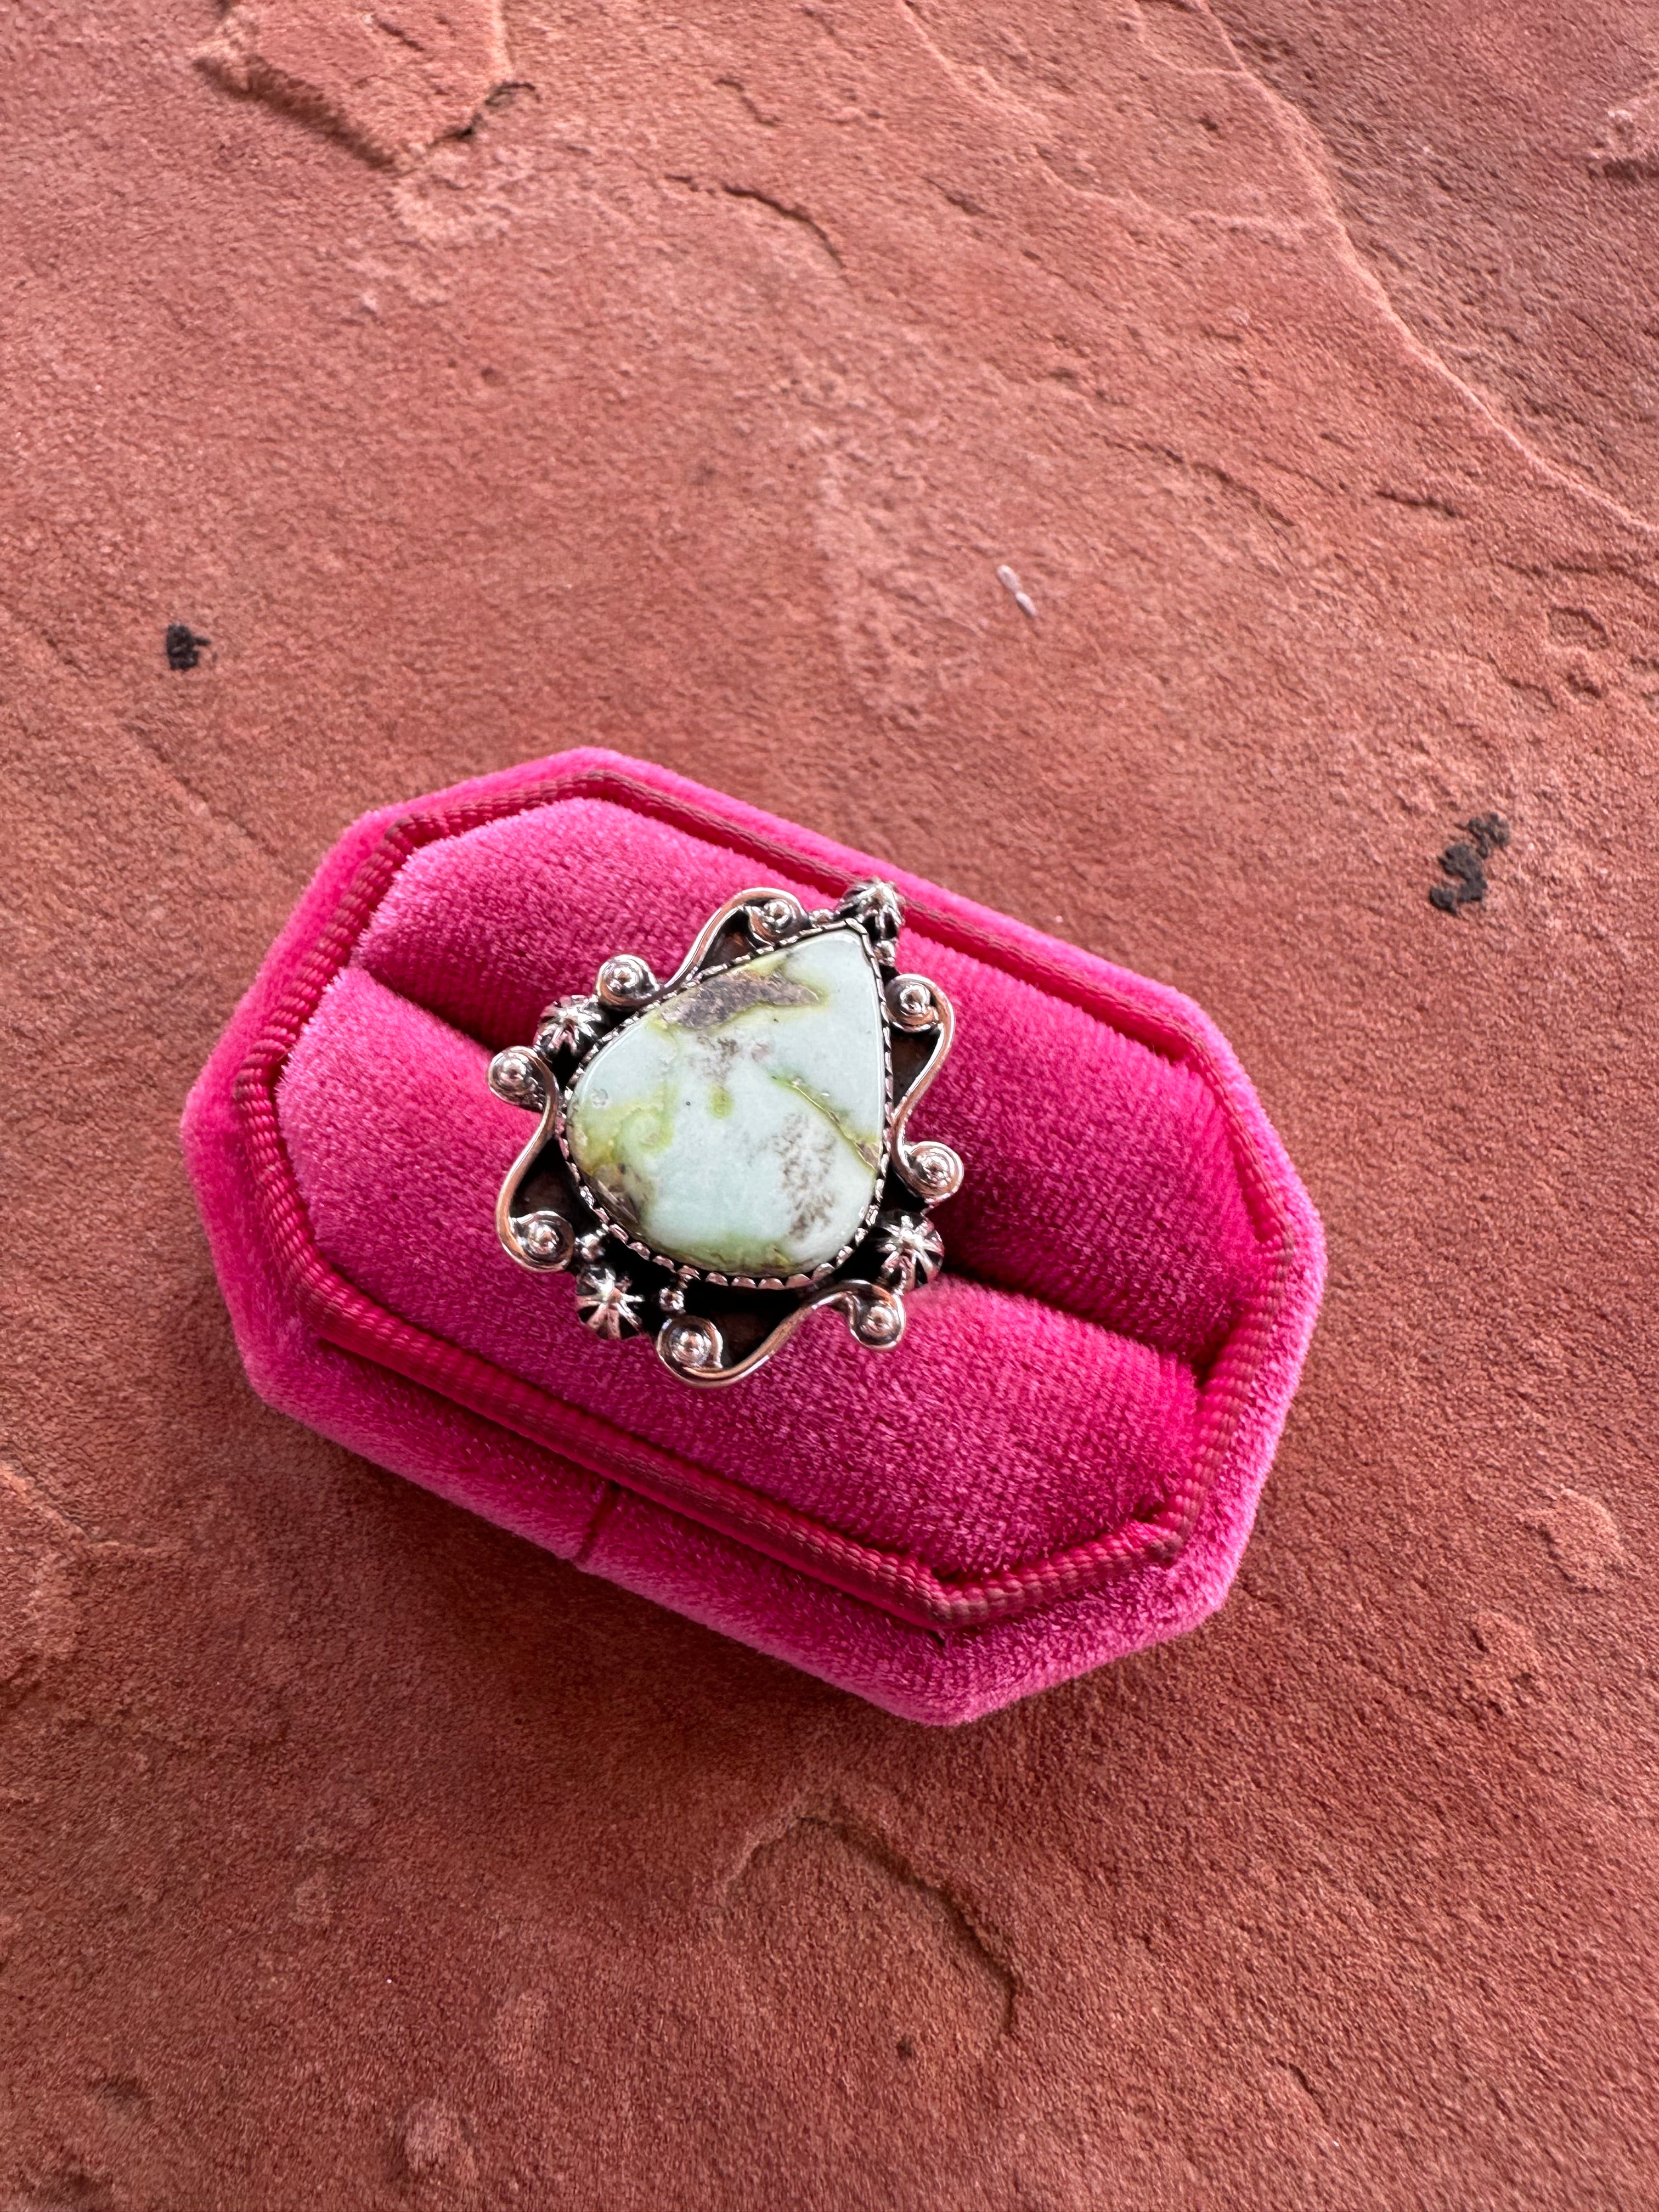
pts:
[711, 1329]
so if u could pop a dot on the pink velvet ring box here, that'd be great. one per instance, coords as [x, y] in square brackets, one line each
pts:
[1060, 1463]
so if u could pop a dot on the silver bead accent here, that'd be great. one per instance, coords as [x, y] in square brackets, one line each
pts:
[933, 1171]
[769, 919]
[876, 1316]
[626, 981]
[910, 1002]
[590, 1249]
[547, 1238]
[692, 1344]
[671, 1299]
[517, 1076]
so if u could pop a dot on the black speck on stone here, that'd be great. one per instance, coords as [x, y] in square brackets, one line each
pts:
[1465, 862]
[1462, 863]
[1490, 833]
[182, 646]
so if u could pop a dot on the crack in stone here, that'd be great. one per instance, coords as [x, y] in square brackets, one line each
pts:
[35, 1498]
[794, 215]
[1310, 157]
[1308, 150]
[867, 1844]
[689, 181]
[199, 803]
[388, 88]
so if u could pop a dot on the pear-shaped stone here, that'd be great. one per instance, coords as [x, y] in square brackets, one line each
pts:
[739, 1126]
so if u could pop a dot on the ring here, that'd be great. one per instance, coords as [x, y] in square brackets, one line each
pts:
[722, 1154]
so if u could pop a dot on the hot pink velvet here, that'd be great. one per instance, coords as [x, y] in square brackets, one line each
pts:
[1135, 1268]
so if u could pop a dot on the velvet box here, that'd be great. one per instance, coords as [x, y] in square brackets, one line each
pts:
[1058, 1465]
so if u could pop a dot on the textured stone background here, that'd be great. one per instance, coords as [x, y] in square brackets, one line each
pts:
[1302, 363]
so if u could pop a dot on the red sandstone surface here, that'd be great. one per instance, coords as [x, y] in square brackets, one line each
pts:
[478, 380]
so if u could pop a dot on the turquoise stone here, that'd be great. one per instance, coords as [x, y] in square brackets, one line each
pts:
[739, 1126]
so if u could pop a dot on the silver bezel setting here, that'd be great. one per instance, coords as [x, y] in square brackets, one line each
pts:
[715, 1328]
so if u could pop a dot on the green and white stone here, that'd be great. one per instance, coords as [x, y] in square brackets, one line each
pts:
[739, 1126]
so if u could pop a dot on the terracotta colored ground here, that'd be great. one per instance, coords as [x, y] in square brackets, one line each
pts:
[1301, 364]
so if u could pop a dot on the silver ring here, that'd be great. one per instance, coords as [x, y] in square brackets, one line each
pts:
[719, 1154]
